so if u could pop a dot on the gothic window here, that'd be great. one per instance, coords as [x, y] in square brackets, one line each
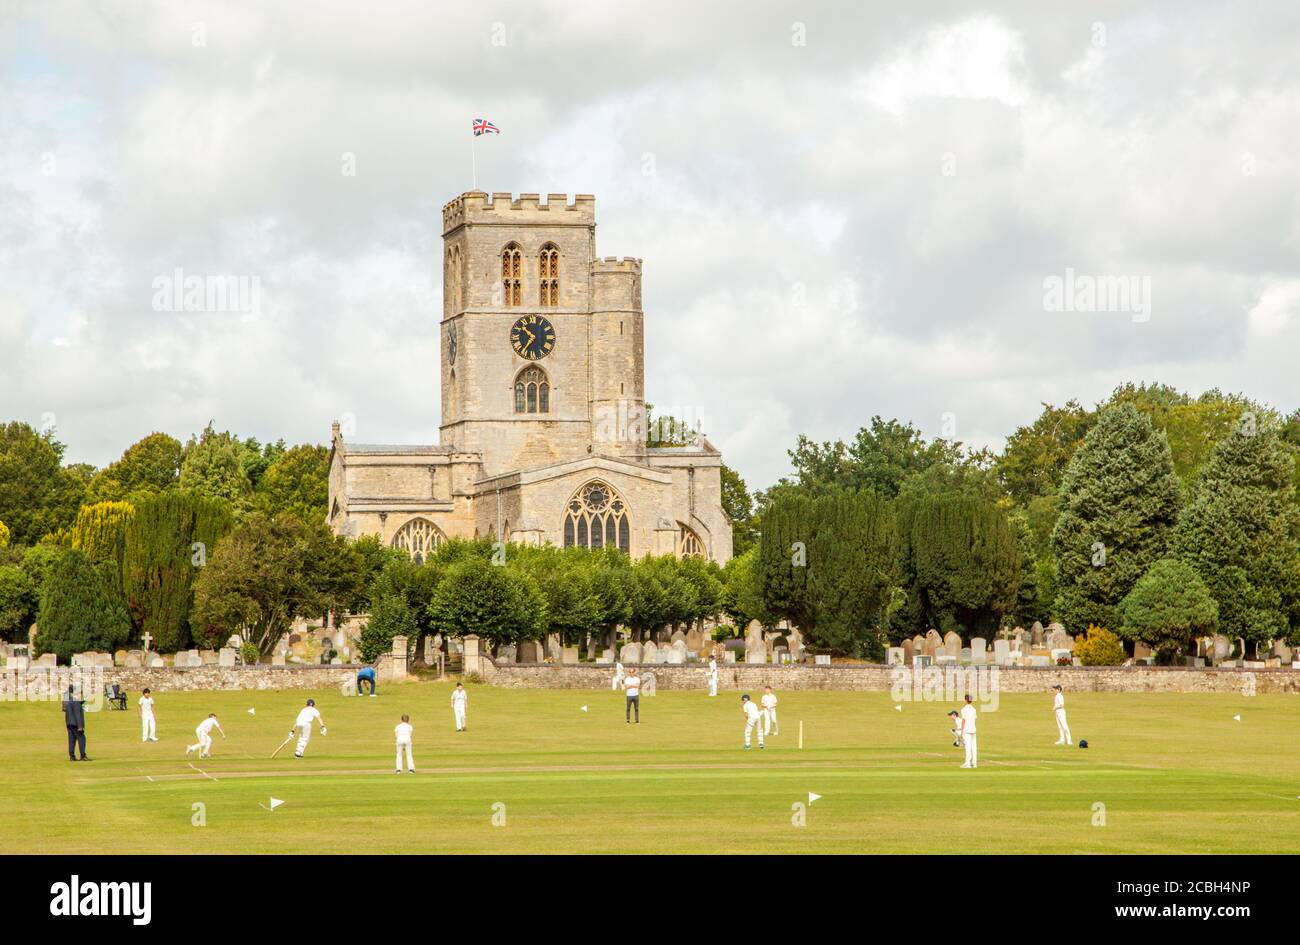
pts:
[452, 286]
[512, 274]
[532, 391]
[418, 538]
[689, 544]
[597, 518]
[548, 281]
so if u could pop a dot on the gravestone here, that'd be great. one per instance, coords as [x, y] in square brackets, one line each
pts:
[933, 644]
[1002, 652]
[677, 635]
[210, 658]
[894, 656]
[47, 660]
[506, 653]
[553, 647]
[822, 659]
[16, 663]
[755, 645]
[156, 661]
[979, 651]
[119, 658]
[965, 655]
[695, 640]
[649, 652]
[951, 644]
[794, 643]
[1036, 634]
[529, 651]
[277, 658]
[728, 656]
[1282, 651]
[226, 657]
[1059, 640]
[1141, 651]
[630, 653]
[569, 655]
[674, 654]
[1039, 659]
[135, 659]
[606, 657]
[662, 656]
[648, 684]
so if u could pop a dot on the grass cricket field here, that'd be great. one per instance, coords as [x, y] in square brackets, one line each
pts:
[1175, 773]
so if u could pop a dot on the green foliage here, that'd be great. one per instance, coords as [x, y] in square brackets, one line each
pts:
[148, 467]
[502, 605]
[1119, 500]
[742, 594]
[1168, 608]
[738, 505]
[1099, 647]
[960, 562]
[213, 467]
[248, 653]
[267, 571]
[167, 542]
[1035, 458]
[391, 616]
[879, 459]
[1240, 533]
[37, 495]
[17, 603]
[296, 483]
[77, 611]
[4, 535]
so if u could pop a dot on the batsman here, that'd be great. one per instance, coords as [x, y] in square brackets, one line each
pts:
[309, 714]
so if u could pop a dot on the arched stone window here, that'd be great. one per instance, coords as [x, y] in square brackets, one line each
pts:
[596, 518]
[548, 277]
[689, 544]
[418, 538]
[532, 391]
[452, 281]
[512, 274]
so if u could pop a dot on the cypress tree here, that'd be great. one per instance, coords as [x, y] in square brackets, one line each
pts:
[851, 560]
[77, 611]
[1119, 501]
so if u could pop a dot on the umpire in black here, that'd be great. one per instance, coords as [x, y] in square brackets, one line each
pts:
[74, 717]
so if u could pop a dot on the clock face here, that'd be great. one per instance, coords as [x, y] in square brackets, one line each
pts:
[532, 337]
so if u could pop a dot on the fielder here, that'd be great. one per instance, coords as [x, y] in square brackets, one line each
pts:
[968, 733]
[366, 676]
[1062, 726]
[752, 719]
[618, 675]
[302, 726]
[204, 731]
[403, 732]
[954, 720]
[769, 712]
[148, 724]
[713, 676]
[632, 686]
[459, 703]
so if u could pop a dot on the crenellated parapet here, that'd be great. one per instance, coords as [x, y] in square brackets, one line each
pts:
[476, 207]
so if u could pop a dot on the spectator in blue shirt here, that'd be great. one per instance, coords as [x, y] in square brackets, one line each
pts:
[366, 675]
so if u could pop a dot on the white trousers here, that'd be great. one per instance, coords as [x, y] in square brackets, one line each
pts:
[618, 681]
[713, 684]
[148, 728]
[304, 736]
[770, 722]
[750, 726]
[410, 758]
[972, 756]
[205, 744]
[459, 712]
[1063, 727]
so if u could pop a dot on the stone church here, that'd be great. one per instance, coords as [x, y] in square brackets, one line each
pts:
[543, 433]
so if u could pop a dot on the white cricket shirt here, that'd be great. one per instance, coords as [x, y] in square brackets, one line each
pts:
[146, 706]
[206, 726]
[751, 711]
[306, 716]
[769, 701]
[404, 730]
[968, 716]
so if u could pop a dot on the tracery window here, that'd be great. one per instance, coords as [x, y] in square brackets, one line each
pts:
[597, 517]
[418, 538]
[512, 273]
[532, 391]
[548, 277]
[689, 544]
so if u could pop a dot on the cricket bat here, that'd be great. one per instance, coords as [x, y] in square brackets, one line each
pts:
[282, 744]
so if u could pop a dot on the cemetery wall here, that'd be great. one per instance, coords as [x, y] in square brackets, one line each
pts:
[212, 677]
[869, 678]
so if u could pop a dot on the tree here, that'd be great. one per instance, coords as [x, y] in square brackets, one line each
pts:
[1240, 533]
[390, 617]
[782, 566]
[960, 562]
[297, 483]
[266, 572]
[167, 542]
[37, 495]
[1099, 647]
[1119, 501]
[16, 603]
[742, 595]
[739, 508]
[213, 467]
[100, 531]
[501, 605]
[148, 467]
[1168, 608]
[4, 535]
[77, 613]
[880, 458]
[1035, 458]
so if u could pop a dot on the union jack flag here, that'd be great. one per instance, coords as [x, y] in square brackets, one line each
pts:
[484, 127]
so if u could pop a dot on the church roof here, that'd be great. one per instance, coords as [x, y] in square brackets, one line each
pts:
[431, 448]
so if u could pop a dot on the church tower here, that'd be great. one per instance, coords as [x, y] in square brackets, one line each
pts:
[542, 344]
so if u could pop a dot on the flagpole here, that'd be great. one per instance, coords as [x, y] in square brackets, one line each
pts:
[473, 160]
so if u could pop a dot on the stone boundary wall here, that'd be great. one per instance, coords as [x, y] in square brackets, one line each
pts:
[878, 678]
[194, 678]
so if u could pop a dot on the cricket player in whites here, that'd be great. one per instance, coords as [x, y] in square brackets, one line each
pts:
[204, 731]
[753, 720]
[968, 733]
[1058, 709]
[618, 675]
[459, 703]
[148, 724]
[713, 675]
[403, 732]
[302, 726]
[769, 712]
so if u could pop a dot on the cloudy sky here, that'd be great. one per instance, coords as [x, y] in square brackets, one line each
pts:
[842, 212]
